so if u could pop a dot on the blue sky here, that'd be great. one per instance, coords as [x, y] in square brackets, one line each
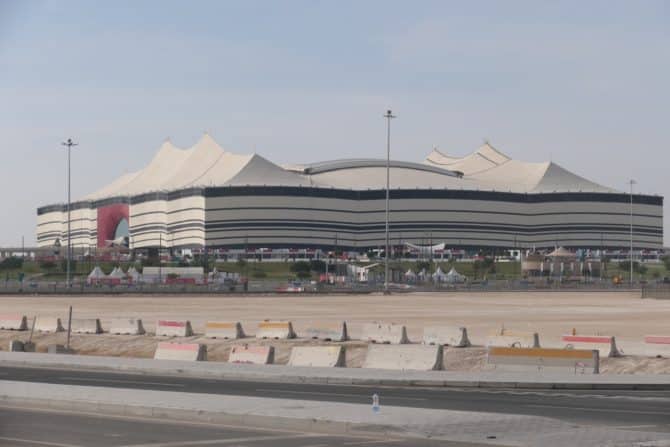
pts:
[582, 83]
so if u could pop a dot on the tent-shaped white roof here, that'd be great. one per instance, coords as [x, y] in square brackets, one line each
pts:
[492, 169]
[561, 252]
[206, 164]
[117, 273]
[96, 273]
[133, 273]
[410, 274]
[453, 272]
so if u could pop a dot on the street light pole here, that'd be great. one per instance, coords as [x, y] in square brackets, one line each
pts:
[632, 182]
[389, 116]
[69, 144]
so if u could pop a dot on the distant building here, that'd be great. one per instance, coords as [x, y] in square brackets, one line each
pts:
[207, 196]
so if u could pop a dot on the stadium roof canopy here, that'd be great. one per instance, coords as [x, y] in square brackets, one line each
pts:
[206, 164]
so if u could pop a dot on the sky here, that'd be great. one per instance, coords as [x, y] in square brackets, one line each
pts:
[584, 84]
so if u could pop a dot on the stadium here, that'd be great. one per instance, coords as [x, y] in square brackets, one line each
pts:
[206, 196]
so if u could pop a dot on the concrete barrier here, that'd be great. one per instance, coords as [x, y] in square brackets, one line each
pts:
[326, 356]
[385, 333]
[330, 331]
[48, 324]
[404, 357]
[191, 352]
[577, 361]
[605, 344]
[173, 328]
[58, 349]
[446, 335]
[514, 339]
[657, 345]
[223, 329]
[13, 322]
[275, 329]
[257, 355]
[86, 326]
[126, 326]
[15, 346]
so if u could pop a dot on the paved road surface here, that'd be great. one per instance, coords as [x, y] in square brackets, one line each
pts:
[40, 428]
[648, 410]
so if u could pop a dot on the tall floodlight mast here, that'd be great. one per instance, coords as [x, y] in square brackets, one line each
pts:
[632, 182]
[69, 144]
[389, 116]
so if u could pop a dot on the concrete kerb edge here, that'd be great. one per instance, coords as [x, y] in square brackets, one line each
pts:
[254, 376]
[214, 417]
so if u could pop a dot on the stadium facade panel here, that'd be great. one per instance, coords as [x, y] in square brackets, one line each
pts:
[205, 196]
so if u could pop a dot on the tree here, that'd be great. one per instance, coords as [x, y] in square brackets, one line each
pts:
[258, 274]
[301, 269]
[317, 265]
[422, 265]
[11, 263]
[666, 262]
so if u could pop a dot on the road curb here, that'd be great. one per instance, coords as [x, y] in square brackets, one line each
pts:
[326, 376]
[214, 417]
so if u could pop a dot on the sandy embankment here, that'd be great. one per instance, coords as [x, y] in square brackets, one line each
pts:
[551, 314]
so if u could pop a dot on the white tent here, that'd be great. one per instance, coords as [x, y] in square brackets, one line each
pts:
[117, 273]
[439, 275]
[133, 274]
[96, 275]
[409, 274]
[453, 276]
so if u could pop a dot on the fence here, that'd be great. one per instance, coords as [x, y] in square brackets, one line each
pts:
[656, 291]
[271, 286]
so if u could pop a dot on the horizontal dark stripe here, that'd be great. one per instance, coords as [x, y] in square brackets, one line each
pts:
[380, 194]
[374, 194]
[427, 210]
[404, 226]
[295, 241]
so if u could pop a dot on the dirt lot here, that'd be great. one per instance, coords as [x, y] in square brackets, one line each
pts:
[551, 314]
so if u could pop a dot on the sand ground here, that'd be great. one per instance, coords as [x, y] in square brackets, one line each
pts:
[621, 314]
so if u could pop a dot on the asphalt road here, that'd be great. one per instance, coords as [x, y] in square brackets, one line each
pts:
[39, 428]
[650, 409]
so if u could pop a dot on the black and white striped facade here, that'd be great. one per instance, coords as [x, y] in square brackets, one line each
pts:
[291, 207]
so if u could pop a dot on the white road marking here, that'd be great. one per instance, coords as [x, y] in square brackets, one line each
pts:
[137, 382]
[637, 426]
[322, 393]
[603, 410]
[32, 441]
[222, 441]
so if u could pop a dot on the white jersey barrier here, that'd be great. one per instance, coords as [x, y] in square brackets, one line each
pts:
[13, 322]
[404, 357]
[275, 329]
[514, 339]
[174, 328]
[446, 335]
[575, 361]
[191, 352]
[326, 356]
[86, 326]
[329, 331]
[385, 333]
[657, 345]
[605, 344]
[257, 355]
[126, 326]
[48, 324]
[223, 329]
